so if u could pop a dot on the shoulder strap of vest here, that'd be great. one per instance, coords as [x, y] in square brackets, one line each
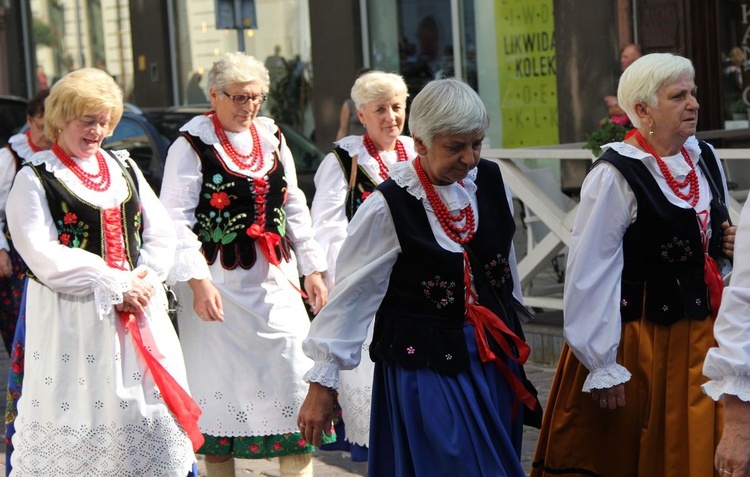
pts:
[348, 164]
[707, 154]
[198, 146]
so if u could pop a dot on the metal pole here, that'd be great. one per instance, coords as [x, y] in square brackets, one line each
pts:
[173, 56]
[364, 27]
[457, 43]
[26, 34]
[81, 58]
[239, 26]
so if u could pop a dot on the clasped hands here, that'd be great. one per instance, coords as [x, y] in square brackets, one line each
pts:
[139, 295]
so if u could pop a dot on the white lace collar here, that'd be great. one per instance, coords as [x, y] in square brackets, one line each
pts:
[676, 163]
[355, 146]
[454, 196]
[20, 144]
[202, 127]
[62, 172]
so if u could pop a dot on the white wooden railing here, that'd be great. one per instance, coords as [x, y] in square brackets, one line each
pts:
[560, 222]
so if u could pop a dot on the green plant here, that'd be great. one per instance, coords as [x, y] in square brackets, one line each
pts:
[738, 107]
[611, 129]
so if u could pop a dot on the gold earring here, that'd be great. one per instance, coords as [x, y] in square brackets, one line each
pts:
[651, 129]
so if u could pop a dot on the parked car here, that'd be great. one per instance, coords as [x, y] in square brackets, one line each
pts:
[12, 116]
[148, 134]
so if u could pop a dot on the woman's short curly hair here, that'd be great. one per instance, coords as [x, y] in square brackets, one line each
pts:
[237, 67]
[80, 93]
[377, 85]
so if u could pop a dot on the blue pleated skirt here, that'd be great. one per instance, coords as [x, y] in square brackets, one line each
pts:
[426, 424]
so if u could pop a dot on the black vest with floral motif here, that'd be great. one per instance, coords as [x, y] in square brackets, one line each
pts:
[80, 224]
[227, 207]
[421, 318]
[662, 276]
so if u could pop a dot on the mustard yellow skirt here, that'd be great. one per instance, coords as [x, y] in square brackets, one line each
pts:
[668, 427]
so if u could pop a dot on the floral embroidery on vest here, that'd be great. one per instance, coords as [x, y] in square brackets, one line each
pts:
[440, 292]
[677, 250]
[219, 226]
[498, 271]
[72, 232]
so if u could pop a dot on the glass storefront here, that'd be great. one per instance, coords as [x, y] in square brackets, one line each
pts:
[70, 34]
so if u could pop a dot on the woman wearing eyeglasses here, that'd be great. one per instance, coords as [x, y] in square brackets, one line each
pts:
[231, 188]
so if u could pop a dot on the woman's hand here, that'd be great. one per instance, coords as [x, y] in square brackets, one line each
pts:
[6, 267]
[316, 414]
[609, 398]
[139, 295]
[727, 240]
[733, 453]
[317, 293]
[206, 300]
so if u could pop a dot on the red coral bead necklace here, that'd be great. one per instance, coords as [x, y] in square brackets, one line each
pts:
[372, 151]
[691, 180]
[256, 155]
[99, 181]
[34, 147]
[449, 222]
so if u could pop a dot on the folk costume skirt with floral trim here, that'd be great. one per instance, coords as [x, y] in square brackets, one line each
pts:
[11, 289]
[246, 372]
[668, 427]
[426, 424]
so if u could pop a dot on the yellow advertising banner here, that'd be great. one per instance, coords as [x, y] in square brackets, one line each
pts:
[527, 72]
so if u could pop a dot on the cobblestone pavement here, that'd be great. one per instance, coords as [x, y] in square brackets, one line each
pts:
[338, 464]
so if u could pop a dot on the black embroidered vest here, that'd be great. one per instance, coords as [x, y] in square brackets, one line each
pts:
[421, 319]
[663, 253]
[227, 208]
[363, 185]
[80, 224]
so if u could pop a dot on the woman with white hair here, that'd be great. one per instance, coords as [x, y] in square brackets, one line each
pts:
[430, 254]
[244, 238]
[345, 178]
[643, 282]
[104, 383]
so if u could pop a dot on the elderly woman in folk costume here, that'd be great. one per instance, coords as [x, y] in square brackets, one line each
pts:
[643, 284]
[345, 178]
[104, 384]
[230, 186]
[430, 255]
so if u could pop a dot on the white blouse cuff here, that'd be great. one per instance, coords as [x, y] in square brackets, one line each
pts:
[108, 290]
[325, 373]
[310, 258]
[606, 377]
[735, 385]
[189, 263]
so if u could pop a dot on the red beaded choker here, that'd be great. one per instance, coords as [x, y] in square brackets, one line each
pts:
[448, 221]
[691, 180]
[256, 154]
[372, 151]
[34, 147]
[98, 182]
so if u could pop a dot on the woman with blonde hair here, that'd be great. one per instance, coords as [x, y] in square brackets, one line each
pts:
[345, 178]
[244, 238]
[104, 384]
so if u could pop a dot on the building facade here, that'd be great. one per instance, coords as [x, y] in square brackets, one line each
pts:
[541, 66]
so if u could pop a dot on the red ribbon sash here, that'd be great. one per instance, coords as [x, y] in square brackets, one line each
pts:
[485, 321]
[714, 283]
[178, 401]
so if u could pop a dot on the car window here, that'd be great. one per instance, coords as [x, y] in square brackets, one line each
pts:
[12, 117]
[135, 138]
